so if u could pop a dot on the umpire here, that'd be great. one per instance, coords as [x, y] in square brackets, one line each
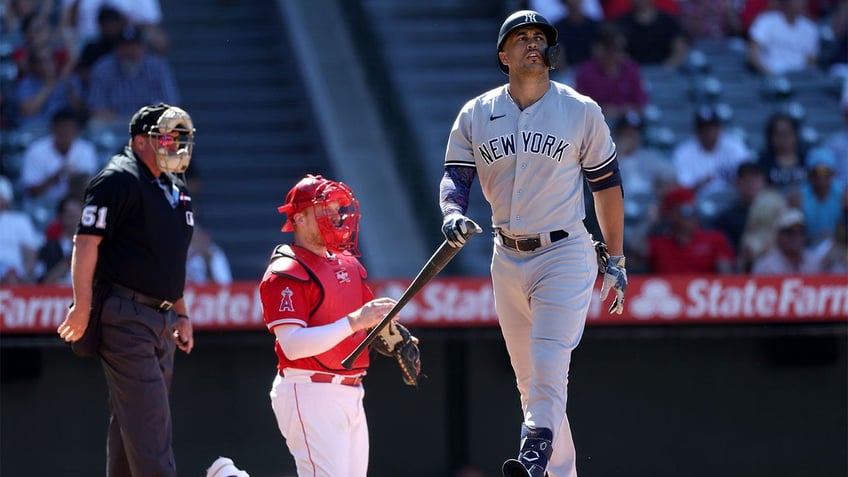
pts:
[128, 271]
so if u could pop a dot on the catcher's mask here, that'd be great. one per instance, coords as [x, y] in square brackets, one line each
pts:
[336, 211]
[529, 17]
[170, 132]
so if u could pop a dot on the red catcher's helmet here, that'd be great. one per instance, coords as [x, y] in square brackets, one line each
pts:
[529, 17]
[336, 211]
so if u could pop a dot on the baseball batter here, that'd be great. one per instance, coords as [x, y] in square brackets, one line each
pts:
[315, 301]
[532, 142]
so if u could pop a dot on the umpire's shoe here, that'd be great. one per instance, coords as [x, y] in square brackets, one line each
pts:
[533, 458]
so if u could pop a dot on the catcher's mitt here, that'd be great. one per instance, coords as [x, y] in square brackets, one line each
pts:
[603, 254]
[395, 341]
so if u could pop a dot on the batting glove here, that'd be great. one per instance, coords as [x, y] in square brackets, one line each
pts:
[457, 228]
[602, 254]
[615, 278]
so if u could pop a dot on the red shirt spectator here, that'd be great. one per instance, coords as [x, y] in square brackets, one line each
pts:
[611, 78]
[686, 247]
[710, 19]
[617, 8]
[38, 35]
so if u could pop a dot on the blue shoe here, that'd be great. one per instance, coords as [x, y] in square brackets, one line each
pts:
[514, 468]
[534, 454]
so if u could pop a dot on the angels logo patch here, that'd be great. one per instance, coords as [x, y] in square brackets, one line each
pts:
[286, 304]
[342, 276]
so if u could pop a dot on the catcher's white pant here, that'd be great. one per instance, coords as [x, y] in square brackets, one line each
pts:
[542, 299]
[324, 426]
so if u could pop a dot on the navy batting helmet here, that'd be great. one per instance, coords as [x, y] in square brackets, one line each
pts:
[529, 17]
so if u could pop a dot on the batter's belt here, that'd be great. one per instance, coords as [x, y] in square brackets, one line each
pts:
[128, 293]
[530, 243]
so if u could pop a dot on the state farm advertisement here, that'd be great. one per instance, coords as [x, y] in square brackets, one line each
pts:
[468, 302]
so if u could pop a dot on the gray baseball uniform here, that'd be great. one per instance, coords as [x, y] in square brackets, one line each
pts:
[531, 165]
[530, 162]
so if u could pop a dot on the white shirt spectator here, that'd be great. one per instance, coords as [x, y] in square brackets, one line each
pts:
[775, 263]
[554, 10]
[16, 233]
[206, 263]
[642, 170]
[18, 237]
[216, 270]
[41, 160]
[784, 47]
[693, 164]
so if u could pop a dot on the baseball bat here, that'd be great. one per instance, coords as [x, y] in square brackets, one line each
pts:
[434, 265]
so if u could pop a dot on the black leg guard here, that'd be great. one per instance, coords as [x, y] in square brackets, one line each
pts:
[533, 458]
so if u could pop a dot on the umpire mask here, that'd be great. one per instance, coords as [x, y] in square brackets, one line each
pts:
[335, 207]
[172, 139]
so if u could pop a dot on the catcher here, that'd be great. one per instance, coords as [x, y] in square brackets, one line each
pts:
[317, 305]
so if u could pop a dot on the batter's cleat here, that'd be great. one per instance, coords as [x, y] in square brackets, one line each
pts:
[533, 458]
[513, 468]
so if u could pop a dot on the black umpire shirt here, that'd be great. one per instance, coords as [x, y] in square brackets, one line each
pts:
[145, 237]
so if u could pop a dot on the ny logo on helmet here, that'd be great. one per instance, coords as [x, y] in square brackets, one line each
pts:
[530, 18]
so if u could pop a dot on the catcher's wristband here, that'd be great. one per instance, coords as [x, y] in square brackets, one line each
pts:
[180, 315]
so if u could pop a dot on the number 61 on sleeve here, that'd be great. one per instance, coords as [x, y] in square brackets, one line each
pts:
[93, 215]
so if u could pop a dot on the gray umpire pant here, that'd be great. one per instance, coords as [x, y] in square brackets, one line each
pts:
[137, 354]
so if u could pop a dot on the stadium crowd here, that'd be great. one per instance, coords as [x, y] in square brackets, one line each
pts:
[712, 202]
[72, 71]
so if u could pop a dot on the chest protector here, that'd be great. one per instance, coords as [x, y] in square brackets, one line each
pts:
[341, 282]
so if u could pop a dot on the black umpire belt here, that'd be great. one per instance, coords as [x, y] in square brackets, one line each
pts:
[528, 244]
[129, 293]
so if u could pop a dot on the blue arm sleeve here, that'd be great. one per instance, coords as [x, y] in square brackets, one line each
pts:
[455, 188]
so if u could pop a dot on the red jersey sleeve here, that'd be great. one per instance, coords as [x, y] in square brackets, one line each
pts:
[286, 300]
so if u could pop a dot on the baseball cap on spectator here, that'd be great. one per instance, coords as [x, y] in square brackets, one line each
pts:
[706, 114]
[790, 218]
[631, 120]
[130, 34]
[821, 160]
[146, 118]
[682, 198]
[677, 196]
[749, 168]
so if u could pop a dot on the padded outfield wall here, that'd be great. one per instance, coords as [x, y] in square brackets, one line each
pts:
[744, 395]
